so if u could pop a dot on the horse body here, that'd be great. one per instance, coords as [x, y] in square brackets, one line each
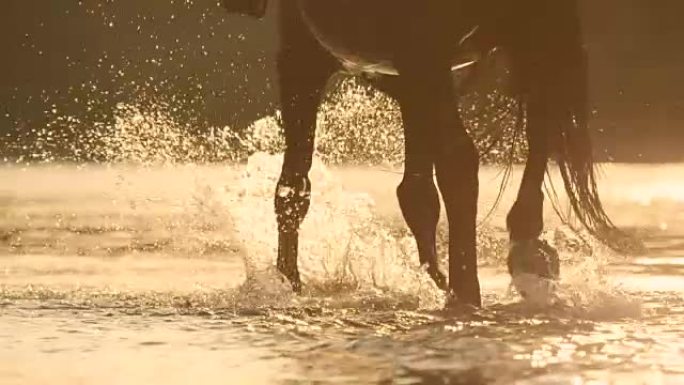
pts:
[420, 42]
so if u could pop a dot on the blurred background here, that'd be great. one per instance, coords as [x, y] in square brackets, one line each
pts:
[83, 58]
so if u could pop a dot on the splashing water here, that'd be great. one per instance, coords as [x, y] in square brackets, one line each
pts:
[368, 310]
[585, 289]
[344, 246]
[171, 230]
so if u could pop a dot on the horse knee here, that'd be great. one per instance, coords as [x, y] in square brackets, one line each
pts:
[419, 202]
[292, 201]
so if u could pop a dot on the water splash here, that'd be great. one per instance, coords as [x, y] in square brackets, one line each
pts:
[585, 289]
[347, 249]
[344, 247]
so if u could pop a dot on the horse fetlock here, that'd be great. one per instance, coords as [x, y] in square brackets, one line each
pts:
[463, 280]
[525, 220]
[465, 291]
[287, 258]
[292, 200]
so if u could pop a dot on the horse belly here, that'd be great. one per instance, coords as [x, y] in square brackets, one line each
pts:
[359, 33]
[366, 35]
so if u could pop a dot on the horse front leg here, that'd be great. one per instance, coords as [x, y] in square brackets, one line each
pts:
[528, 254]
[304, 69]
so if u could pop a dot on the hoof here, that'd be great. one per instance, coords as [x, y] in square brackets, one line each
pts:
[465, 293]
[296, 285]
[293, 278]
[533, 257]
[534, 267]
[462, 305]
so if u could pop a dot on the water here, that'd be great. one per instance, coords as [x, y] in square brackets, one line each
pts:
[138, 275]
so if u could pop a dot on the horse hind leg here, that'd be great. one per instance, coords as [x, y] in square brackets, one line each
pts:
[304, 69]
[417, 193]
[419, 202]
[429, 108]
[457, 176]
[525, 222]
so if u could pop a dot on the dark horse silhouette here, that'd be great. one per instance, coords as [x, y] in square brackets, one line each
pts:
[411, 48]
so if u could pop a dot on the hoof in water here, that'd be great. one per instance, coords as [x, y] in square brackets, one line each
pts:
[293, 278]
[534, 267]
[533, 257]
[456, 305]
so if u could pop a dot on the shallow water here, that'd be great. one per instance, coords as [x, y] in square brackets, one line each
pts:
[116, 275]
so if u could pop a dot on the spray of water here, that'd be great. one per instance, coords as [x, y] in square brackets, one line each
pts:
[346, 247]
[585, 289]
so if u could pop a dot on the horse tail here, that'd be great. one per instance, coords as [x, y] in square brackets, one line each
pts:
[551, 64]
[575, 160]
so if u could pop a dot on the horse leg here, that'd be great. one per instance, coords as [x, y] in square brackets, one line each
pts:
[457, 175]
[304, 69]
[525, 221]
[419, 202]
[429, 109]
[417, 193]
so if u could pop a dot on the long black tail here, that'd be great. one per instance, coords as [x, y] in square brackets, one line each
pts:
[575, 160]
[550, 63]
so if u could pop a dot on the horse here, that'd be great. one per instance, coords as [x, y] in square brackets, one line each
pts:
[409, 49]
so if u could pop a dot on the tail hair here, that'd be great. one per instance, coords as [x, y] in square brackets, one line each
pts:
[549, 60]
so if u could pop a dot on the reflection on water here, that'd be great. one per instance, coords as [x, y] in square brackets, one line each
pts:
[116, 275]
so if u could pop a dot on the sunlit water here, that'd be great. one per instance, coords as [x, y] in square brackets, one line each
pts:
[124, 275]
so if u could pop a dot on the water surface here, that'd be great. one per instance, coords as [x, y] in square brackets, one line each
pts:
[125, 275]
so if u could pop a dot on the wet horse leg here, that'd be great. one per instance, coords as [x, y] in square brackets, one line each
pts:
[304, 69]
[457, 175]
[430, 113]
[525, 221]
[417, 193]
